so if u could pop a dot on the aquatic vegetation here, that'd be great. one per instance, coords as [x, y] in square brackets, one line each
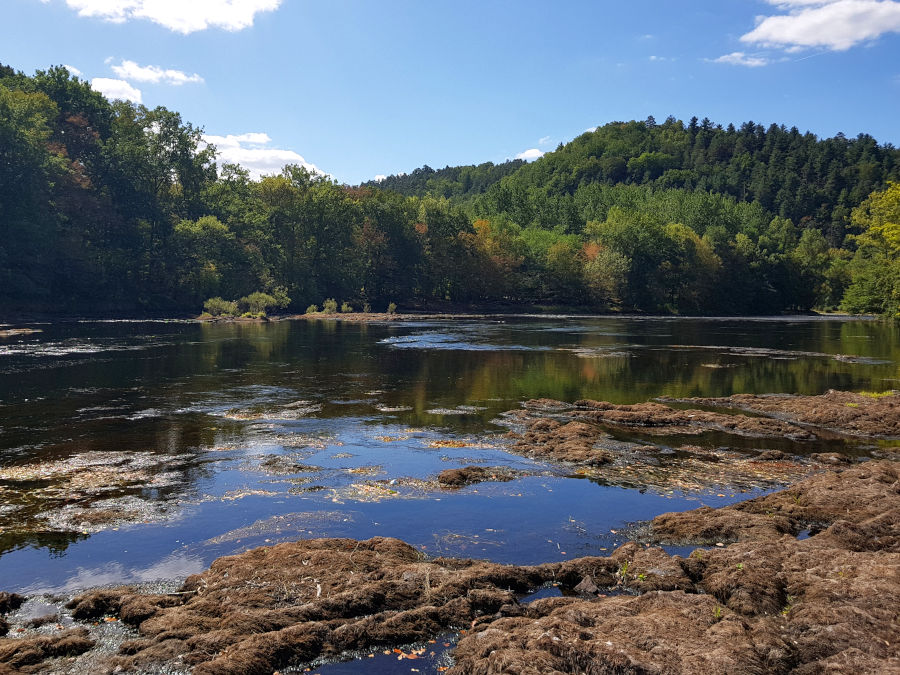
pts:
[90, 491]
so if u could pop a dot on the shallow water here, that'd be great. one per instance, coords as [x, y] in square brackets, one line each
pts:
[199, 440]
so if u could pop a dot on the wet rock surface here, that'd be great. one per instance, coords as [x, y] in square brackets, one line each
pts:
[864, 414]
[759, 442]
[768, 603]
[863, 499]
[469, 475]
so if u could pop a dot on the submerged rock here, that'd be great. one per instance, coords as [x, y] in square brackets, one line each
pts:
[469, 475]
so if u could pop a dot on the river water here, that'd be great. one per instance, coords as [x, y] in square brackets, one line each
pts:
[136, 451]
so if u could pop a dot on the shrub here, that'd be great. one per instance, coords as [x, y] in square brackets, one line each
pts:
[312, 309]
[279, 293]
[392, 308]
[257, 303]
[329, 306]
[346, 308]
[367, 308]
[220, 307]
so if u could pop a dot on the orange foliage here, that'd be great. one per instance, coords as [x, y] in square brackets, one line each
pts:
[591, 250]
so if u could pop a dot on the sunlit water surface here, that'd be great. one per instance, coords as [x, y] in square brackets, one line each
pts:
[238, 435]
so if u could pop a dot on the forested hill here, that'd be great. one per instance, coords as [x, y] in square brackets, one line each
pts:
[815, 183]
[113, 208]
[451, 181]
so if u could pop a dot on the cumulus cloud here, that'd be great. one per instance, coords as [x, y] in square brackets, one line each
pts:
[741, 59]
[530, 155]
[182, 16]
[113, 89]
[830, 24]
[129, 70]
[72, 69]
[252, 151]
[380, 177]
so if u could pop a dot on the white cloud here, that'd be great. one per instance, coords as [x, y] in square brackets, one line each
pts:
[182, 16]
[72, 70]
[831, 24]
[544, 141]
[251, 151]
[590, 130]
[741, 59]
[380, 177]
[530, 155]
[129, 70]
[113, 89]
[661, 58]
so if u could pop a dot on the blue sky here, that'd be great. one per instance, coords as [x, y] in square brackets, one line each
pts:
[359, 88]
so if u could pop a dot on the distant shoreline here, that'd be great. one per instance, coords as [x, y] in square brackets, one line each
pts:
[15, 321]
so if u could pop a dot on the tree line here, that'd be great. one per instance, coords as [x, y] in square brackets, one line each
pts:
[112, 207]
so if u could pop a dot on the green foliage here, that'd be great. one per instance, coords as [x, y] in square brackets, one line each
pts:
[367, 308]
[312, 309]
[346, 308]
[392, 308]
[330, 306]
[875, 268]
[279, 294]
[116, 207]
[257, 303]
[220, 307]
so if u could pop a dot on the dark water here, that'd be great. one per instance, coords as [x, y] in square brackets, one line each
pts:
[208, 439]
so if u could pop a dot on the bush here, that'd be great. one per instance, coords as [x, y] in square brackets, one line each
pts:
[220, 307]
[257, 303]
[346, 308]
[312, 309]
[367, 308]
[392, 308]
[279, 293]
[329, 306]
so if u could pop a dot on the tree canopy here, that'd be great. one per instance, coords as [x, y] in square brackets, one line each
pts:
[112, 207]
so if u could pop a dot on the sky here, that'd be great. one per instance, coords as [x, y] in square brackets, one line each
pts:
[362, 88]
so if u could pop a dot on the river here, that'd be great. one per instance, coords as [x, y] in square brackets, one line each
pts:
[132, 451]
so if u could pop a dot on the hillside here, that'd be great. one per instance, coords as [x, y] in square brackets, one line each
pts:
[112, 207]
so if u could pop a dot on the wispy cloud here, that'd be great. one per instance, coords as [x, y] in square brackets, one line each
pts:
[181, 16]
[544, 140]
[741, 59]
[253, 152]
[837, 25]
[116, 89]
[129, 70]
[72, 70]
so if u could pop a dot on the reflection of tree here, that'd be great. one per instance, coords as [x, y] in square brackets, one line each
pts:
[195, 372]
[56, 543]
